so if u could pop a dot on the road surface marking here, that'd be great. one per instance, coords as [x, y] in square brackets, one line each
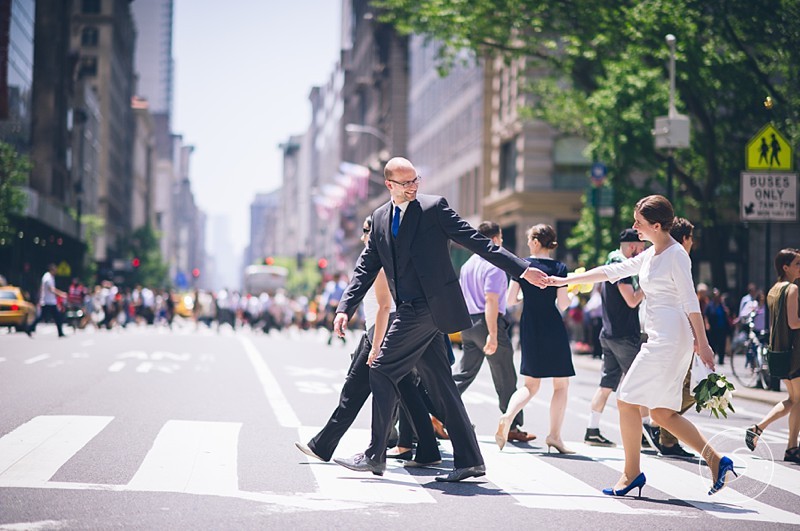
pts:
[31, 454]
[35, 359]
[335, 482]
[691, 488]
[191, 456]
[277, 400]
[538, 485]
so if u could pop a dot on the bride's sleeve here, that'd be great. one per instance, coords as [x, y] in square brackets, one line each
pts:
[624, 269]
[684, 284]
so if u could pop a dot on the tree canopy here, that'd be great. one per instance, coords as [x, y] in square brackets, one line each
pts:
[608, 81]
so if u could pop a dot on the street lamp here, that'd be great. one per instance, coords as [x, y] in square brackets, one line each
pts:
[369, 130]
[671, 131]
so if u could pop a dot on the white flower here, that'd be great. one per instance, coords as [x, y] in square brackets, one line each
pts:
[720, 383]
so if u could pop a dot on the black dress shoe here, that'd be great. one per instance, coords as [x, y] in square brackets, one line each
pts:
[308, 451]
[408, 454]
[361, 463]
[676, 450]
[463, 473]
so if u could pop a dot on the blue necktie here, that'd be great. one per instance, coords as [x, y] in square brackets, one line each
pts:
[396, 221]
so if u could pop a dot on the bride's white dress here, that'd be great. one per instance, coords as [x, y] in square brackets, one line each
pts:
[656, 376]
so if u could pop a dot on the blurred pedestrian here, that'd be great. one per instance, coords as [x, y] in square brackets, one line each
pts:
[484, 287]
[621, 336]
[784, 308]
[545, 344]
[48, 301]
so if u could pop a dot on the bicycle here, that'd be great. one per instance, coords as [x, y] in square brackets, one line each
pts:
[754, 372]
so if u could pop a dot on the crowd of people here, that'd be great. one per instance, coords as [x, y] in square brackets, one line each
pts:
[651, 322]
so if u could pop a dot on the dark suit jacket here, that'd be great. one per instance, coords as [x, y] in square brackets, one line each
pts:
[427, 225]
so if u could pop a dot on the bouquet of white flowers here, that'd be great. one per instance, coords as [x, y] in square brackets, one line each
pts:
[715, 394]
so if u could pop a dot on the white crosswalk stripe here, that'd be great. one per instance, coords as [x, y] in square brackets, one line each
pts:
[335, 481]
[32, 453]
[192, 457]
[200, 457]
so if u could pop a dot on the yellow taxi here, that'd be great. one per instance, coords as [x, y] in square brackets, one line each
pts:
[14, 309]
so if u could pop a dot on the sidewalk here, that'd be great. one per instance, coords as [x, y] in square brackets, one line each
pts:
[586, 361]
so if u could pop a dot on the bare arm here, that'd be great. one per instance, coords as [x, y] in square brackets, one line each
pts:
[384, 297]
[562, 299]
[490, 314]
[513, 293]
[701, 340]
[632, 297]
[597, 274]
[791, 307]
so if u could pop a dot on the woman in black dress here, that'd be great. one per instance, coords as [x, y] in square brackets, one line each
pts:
[543, 339]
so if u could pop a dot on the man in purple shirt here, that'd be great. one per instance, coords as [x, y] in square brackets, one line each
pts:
[484, 287]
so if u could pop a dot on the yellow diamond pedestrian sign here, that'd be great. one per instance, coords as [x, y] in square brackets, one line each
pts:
[768, 150]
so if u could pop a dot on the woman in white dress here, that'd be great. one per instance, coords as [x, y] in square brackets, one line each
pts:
[656, 376]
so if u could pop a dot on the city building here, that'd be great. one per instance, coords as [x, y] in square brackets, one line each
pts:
[103, 36]
[143, 166]
[265, 240]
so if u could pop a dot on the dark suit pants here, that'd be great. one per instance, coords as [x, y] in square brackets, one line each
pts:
[414, 341]
[501, 363]
[414, 418]
[50, 311]
[354, 394]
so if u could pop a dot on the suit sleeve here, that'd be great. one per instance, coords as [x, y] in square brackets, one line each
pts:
[367, 268]
[465, 235]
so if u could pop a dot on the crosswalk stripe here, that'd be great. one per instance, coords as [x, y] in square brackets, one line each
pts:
[191, 456]
[277, 400]
[31, 454]
[691, 488]
[538, 485]
[335, 482]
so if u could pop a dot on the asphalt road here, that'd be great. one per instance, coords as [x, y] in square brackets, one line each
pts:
[147, 428]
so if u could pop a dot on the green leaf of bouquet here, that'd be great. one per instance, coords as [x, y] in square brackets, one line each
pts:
[714, 411]
[730, 406]
[724, 414]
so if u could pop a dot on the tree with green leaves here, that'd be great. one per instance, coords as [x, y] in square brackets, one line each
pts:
[150, 269]
[608, 70]
[14, 172]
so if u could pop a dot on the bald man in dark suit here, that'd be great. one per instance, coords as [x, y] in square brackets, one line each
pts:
[409, 241]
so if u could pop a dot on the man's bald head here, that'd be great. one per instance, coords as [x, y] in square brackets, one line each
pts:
[398, 164]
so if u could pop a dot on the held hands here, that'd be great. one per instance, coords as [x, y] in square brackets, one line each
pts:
[555, 281]
[535, 276]
[491, 345]
[340, 324]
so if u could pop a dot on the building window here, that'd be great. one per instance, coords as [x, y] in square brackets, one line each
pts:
[88, 66]
[508, 164]
[89, 36]
[91, 7]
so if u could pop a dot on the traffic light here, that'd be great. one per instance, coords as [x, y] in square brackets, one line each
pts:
[322, 264]
[135, 262]
[269, 260]
[196, 272]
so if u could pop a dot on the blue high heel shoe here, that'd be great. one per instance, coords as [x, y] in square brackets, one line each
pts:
[638, 482]
[725, 466]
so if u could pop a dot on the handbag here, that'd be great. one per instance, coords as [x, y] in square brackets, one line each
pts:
[779, 360]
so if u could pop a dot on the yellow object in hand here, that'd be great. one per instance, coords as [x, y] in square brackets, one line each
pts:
[574, 289]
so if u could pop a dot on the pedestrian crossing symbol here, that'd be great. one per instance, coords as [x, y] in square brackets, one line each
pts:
[768, 150]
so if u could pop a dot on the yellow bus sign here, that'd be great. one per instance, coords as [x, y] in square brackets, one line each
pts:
[768, 151]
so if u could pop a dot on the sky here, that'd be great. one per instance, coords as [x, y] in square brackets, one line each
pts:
[243, 73]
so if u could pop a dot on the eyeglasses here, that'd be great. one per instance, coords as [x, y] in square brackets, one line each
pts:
[406, 184]
[365, 230]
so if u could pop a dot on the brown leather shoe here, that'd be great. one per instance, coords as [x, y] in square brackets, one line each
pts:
[438, 428]
[521, 436]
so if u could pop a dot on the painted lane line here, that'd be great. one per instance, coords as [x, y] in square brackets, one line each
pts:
[31, 454]
[116, 366]
[691, 487]
[35, 359]
[191, 456]
[335, 482]
[277, 400]
[538, 485]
